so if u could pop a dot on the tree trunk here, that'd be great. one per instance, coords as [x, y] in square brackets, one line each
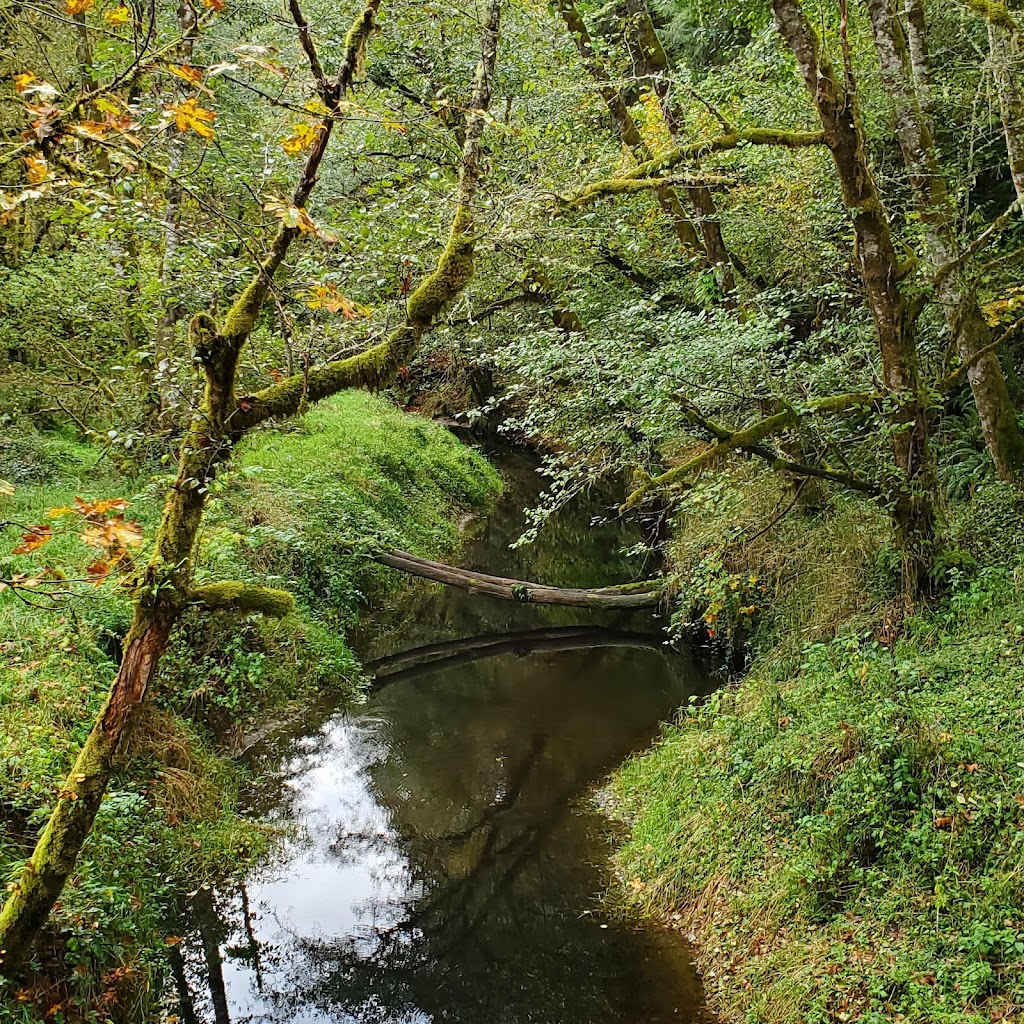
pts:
[652, 68]
[1006, 61]
[836, 105]
[640, 595]
[667, 197]
[955, 292]
[222, 419]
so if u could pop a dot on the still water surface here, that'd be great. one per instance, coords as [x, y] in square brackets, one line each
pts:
[449, 864]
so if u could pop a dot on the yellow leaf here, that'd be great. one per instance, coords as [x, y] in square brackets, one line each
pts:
[302, 138]
[214, 5]
[36, 168]
[80, 6]
[23, 81]
[61, 510]
[186, 71]
[189, 116]
[116, 16]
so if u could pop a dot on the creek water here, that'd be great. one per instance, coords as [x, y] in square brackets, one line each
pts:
[449, 860]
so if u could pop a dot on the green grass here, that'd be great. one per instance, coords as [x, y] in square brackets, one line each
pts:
[843, 831]
[354, 468]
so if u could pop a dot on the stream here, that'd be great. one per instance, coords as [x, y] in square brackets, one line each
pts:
[449, 859]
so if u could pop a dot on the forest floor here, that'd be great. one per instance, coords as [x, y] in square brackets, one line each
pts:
[841, 832]
[356, 467]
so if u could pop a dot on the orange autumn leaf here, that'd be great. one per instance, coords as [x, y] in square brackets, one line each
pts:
[214, 5]
[303, 137]
[79, 6]
[23, 81]
[34, 539]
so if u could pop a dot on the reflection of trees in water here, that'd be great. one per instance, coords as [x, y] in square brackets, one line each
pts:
[478, 775]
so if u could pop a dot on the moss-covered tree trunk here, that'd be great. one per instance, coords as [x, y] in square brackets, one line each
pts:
[955, 292]
[652, 68]
[628, 131]
[221, 420]
[1004, 46]
[836, 106]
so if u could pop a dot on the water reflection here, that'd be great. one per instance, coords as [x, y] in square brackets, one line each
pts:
[447, 868]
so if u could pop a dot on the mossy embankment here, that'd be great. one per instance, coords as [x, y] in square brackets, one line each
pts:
[355, 467]
[842, 832]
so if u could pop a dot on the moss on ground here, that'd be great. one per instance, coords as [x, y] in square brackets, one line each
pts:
[354, 468]
[843, 831]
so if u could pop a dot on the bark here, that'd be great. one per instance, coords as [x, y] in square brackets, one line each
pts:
[640, 595]
[836, 106]
[1006, 63]
[164, 590]
[917, 39]
[652, 68]
[668, 199]
[955, 292]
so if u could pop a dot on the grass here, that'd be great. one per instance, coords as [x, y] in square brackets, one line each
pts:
[352, 469]
[843, 831]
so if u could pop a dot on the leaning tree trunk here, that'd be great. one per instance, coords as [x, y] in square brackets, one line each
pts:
[955, 292]
[668, 198]
[836, 106]
[652, 67]
[222, 419]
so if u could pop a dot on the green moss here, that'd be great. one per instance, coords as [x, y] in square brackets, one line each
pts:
[232, 595]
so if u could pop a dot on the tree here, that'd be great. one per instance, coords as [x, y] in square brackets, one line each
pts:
[222, 419]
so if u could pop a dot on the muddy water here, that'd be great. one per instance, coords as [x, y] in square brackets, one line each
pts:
[448, 863]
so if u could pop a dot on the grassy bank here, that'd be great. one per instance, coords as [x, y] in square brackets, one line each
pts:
[843, 832]
[354, 468]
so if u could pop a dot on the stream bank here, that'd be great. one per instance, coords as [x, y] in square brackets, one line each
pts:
[449, 863]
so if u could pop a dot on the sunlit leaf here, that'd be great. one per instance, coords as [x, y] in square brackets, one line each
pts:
[302, 138]
[79, 6]
[117, 16]
[327, 297]
[36, 168]
[6, 488]
[189, 116]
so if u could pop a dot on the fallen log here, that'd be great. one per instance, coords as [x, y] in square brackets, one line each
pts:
[632, 595]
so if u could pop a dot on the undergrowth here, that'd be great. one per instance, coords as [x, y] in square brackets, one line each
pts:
[843, 831]
[354, 468]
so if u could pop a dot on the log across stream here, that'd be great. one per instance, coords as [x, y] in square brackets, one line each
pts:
[449, 860]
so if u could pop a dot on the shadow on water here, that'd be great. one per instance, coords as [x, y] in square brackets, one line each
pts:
[447, 866]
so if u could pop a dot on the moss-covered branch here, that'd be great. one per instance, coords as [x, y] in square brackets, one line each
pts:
[749, 439]
[996, 13]
[653, 169]
[376, 367]
[247, 598]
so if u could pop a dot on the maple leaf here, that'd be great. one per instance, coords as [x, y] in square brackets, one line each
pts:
[34, 539]
[328, 297]
[95, 130]
[116, 16]
[194, 76]
[79, 6]
[303, 137]
[36, 168]
[189, 116]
